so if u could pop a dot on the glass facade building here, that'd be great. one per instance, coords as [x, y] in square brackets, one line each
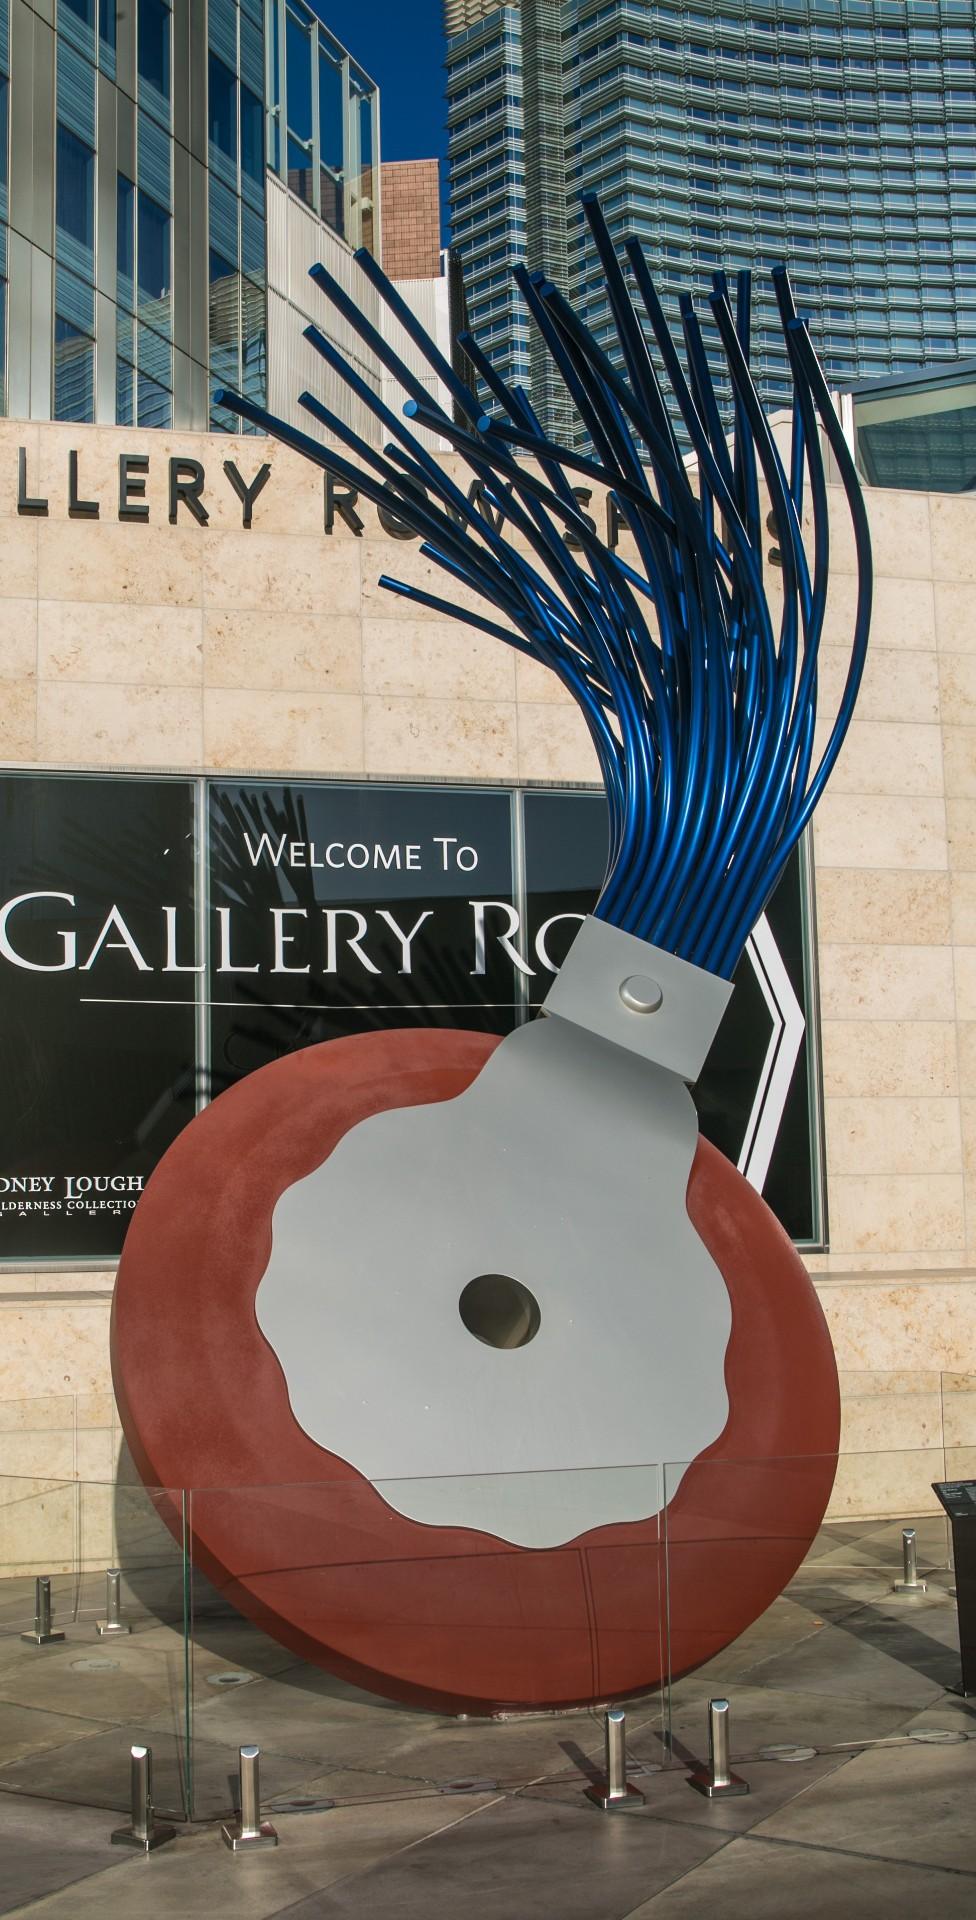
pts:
[132, 243]
[839, 135]
[323, 122]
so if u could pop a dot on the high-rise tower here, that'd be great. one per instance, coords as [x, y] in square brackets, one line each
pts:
[839, 135]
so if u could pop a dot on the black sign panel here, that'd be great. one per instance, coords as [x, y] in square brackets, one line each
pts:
[336, 910]
[141, 974]
[958, 1498]
[753, 1098]
[96, 1062]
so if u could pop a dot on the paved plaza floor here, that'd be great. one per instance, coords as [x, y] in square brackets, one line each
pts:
[446, 1819]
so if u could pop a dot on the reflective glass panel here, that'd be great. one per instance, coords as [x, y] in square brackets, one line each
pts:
[126, 241]
[154, 405]
[74, 372]
[331, 113]
[154, 45]
[298, 68]
[222, 106]
[154, 251]
[75, 202]
[252, 136]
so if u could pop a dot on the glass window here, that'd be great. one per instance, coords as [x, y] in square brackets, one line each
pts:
[298, 68]
[74, 372]
[223, 108]
[154, 251]
[85, 10]
[126, 241]
[331, 112]
[154, 45]
[252, 136]
[300, 174]
[125, 376]
[225, 321]
[154, 404]
[75, 204]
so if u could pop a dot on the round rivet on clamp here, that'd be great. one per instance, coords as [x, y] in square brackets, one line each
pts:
[641, 994]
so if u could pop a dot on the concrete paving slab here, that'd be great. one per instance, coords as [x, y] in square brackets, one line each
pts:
[836, 1662]
[513, 1859]
[44, 1847]
[756, 1880]
[76, 1678]
[772, 1785]
[900, 1803]
[764, 1716]
[197, 1877]
[95, 1773]
[26, 1730]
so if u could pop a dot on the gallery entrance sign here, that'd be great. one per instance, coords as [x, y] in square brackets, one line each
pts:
[160, 938]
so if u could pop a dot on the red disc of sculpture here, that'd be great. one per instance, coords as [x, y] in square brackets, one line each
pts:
[300, 1540]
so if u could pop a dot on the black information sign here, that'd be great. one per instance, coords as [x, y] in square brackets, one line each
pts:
[142, 973]
[97, 1065]
[959, 1500]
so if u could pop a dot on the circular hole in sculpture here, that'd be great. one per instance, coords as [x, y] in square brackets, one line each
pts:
[500, 1311]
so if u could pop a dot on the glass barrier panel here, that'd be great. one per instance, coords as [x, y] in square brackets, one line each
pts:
[444, 1644]
[71, 1707]
[810, 1631]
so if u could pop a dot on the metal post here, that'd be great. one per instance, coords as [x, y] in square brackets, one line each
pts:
[250, 1830]
[909, 1582]
[113, 1621]
[717, 1781]
[615, 1793]
[42, 1632]
[142, 1833]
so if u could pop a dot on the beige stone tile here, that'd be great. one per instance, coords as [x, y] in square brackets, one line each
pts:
[967, 1115]
[469, 738]
[881, 907]
[18, 640]
[955, 616]
[959, 1409]
[888, 1484]
[128, 563]
[283, 732]
[891, 1411]
[963, 895]
[106, 725]
[890, 1324]
[435, 659]
[897, 685]
[18, 720]
[283, 573]
[53, 1347]
[403, 560]
[900, 541]
[961, 832]
[902, 1212]
[554, 744]
[874, 830]
[959, 761]
[282, 650]
[957, 687]
[886, 983]
[966, 1042]
[124, 645]
[885, 1134]
[906, 1058]
[18, 560]
[883, 756]
[964, 963]
[537, 683]
[902, 612]
[953, 524]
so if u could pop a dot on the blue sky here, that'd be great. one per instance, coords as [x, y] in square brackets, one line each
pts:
[401, 45]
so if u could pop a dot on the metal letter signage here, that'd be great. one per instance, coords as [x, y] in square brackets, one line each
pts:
[495, 1349]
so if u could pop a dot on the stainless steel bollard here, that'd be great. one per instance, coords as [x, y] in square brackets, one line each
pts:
[909, 1582]
[142, 1833]
[717, 1781]
[113, 1621]
[615, 1794]
[250, 1830]
[42, 1632]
